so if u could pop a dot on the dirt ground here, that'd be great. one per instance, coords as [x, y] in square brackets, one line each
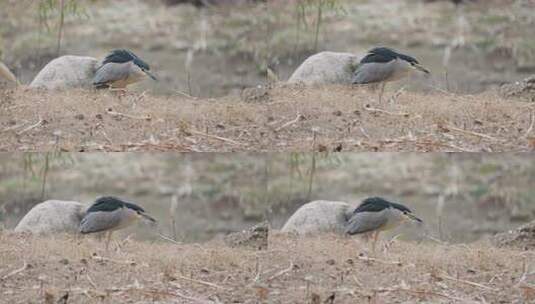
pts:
[283, 118]
[319, 269]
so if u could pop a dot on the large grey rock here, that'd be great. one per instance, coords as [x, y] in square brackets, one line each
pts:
[326, 68]
[53, 216]
[319, 216]
[67, 72]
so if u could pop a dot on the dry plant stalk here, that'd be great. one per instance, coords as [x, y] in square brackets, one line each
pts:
[7, 74]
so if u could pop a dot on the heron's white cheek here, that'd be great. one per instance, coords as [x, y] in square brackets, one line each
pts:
[136, 74]
[401, 68]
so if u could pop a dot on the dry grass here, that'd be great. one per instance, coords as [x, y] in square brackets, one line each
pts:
[328, 118]
[292, 270]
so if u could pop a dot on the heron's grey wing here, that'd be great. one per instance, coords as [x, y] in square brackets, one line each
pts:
[111, 72]
[365, 221]
[100, 221]
[372, 72]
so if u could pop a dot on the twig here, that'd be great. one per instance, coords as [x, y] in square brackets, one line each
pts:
[61, 24]
[194, 300]
[364, 132]
[91, 282]
[282, 272]
[468, 282]
[37, 124]
[257, 270]
[106, 137]
[16, 271]
[7, 74]
[291, 122]
[99, 258]
[434, 239]
[396, 95]
[13, 127]
[185, 95]
[117, 114]
[202, 282]
[216, 137]
[368, 259]
[471, 133]
[531, 123]
[421, 292]
[168, 239]
[371, 109]
[183, 296]
[446, 145]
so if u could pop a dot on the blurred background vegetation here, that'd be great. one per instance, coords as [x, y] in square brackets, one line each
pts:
[215, 50]
[463, 197]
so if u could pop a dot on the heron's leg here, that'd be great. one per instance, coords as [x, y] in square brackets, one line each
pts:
[120, 91]
[108, 240]
[375, 237]
[383, 84]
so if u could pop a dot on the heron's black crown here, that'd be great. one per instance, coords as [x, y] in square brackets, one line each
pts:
[384, 55]
[122, 56]
[377, 204]
[110, 203]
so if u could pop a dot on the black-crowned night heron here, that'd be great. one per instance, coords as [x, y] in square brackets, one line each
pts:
[108, 214]
[376, 214]
[119, 69]
[382, 65]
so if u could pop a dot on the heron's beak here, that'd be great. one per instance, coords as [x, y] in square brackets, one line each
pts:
[146, 217]
[421, 68]
[150, 75]
[414, 218]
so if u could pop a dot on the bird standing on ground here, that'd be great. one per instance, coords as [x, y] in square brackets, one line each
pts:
[108, 214]
[383, 65]
[119, 69]
[376, 214]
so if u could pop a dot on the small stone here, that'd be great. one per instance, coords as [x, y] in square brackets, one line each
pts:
[79, 116]
[255, 237]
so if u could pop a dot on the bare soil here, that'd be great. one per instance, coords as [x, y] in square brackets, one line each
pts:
[292, 270]
[330, 118]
